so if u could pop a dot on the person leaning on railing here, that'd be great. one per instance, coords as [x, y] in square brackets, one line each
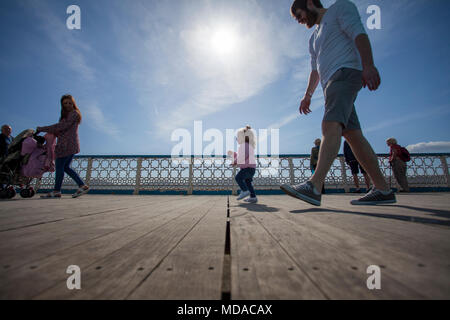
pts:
[398, 164]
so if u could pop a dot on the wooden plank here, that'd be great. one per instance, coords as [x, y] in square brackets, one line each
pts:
[404, 275]
[38, 211]
[22, 246]
[193, 270]
[26, 282]
[118, 274]
[260, 267]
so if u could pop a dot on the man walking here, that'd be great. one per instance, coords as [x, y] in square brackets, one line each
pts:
[314, 158]
[355, 167]
[341, 59]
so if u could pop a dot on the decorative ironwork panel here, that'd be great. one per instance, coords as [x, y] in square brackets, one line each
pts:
[165, 173]
[216, 173]
[212, 173]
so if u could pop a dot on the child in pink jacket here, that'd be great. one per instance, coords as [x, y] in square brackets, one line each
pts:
[245, 159]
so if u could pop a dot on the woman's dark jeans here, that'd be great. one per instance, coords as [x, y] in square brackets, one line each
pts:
[63, 165]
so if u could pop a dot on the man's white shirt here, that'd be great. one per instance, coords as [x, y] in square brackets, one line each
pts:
[332, 44]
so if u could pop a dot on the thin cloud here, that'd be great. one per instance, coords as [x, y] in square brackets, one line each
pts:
[176, 57]
[432, 146]
[418, 115]
[73, 50]
[97, 120]
[74, 53]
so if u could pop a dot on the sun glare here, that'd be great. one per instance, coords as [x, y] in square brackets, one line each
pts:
[224, 41]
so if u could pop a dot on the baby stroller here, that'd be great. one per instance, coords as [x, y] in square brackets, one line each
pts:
[29, 156]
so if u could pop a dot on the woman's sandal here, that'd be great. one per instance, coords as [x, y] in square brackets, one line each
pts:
[80, 192]
[52, 195]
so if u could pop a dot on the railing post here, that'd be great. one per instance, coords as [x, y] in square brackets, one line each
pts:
[291, 171]
[138, 176]
[445, 167]
[37, 186]
[344, 175]
[190, 188]
[89, 171]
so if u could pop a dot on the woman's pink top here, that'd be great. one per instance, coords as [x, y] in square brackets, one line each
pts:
[67, 132]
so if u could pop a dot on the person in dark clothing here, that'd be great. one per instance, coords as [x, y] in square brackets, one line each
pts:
[314, 158]
[355, 167]
[5, 140]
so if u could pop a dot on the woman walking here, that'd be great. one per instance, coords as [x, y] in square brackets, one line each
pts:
[67, 146]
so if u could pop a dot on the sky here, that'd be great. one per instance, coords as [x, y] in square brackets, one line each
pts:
[140, 70]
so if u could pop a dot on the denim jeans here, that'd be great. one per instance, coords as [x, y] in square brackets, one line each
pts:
[244, 179]
[63, 165]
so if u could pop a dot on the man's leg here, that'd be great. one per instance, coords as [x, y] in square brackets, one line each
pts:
[329, 148]
[366, 157]
[356, 180]
[366, 180]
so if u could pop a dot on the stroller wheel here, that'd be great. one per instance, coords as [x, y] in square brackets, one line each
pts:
[10, 193]
[32, 192]
[25, 193]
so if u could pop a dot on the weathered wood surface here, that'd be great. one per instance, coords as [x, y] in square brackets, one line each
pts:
[173, 247]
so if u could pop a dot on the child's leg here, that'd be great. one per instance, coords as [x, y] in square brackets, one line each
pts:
[240, 179]
[248, 181]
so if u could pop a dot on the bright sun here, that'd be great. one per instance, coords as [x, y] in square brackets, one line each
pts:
[224, 41]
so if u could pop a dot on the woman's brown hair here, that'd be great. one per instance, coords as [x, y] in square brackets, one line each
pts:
[75, 107]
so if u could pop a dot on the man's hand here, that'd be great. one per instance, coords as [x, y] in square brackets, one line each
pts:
[304, 105]
[371, 78]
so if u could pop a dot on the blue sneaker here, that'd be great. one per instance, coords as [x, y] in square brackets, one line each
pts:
[251, 200]
[304, 191]
[243, 194]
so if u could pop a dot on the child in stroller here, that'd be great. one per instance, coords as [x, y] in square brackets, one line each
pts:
[29, 156]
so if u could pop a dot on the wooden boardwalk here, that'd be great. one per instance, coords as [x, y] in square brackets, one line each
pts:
[183, 247]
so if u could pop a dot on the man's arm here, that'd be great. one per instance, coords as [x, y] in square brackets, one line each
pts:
[371, 77]
[313, 81]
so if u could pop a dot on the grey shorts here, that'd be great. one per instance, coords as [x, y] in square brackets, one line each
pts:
[340, 94]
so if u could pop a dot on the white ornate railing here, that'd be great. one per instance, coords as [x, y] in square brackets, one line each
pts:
[144, 174]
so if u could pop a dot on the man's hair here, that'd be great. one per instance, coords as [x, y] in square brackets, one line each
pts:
[5, 126]
[301, 4]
